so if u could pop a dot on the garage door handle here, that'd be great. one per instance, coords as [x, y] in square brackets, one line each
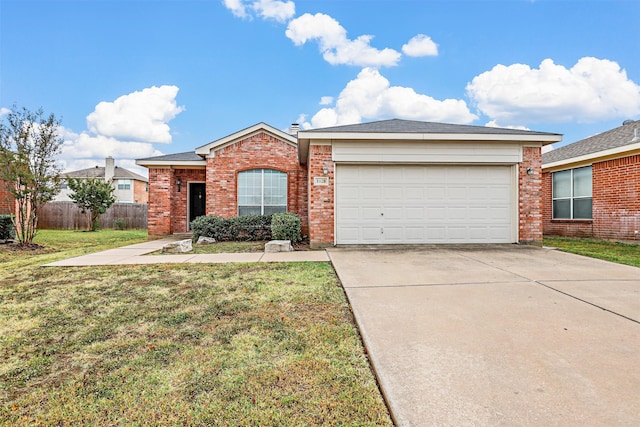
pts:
[381, 213]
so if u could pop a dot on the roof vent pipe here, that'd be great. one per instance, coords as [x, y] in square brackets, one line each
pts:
[627, 122]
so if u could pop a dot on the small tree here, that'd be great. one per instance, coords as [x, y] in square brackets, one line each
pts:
[93, 196]
[29, 144]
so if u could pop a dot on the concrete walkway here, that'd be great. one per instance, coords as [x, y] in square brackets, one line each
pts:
[498, 335]
[139, 254]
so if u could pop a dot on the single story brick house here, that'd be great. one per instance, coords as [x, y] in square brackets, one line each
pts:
[591, 188]
[386, 182]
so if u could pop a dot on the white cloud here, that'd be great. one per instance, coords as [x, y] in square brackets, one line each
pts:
[494, 124]
[281, 11]
[236, 7]
[336, 48]
[278, 10]
[370, 96]
[138, 116]
[420, 45]
[125, 129]
[326, 100]
[592, 90]
[4, 111]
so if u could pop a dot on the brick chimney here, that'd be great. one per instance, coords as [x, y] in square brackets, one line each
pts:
[109, 168]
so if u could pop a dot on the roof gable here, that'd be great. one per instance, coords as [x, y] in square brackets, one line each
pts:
[243, 134]
[618, 140]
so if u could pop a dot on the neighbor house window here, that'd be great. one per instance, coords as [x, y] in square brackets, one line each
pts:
[262, 192]
[124, 184]
[572, 194]
[63, 185]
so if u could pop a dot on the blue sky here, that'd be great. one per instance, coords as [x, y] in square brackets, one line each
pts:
[139, 78]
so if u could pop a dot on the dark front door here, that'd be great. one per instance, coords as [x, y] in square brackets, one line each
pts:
[197, 200]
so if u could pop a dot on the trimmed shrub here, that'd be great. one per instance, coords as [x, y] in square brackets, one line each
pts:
[6, 228]
[243, 228]
[286, 226]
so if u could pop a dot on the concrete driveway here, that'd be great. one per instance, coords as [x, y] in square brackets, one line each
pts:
[498, 335]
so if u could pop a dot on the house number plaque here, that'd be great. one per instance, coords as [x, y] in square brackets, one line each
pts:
[320, 180]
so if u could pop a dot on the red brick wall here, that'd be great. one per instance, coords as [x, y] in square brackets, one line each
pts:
[530, 196]
[140, 193]
[616, 203]
[616, 198]
[7, 204]
[180, 201]
[259, 151]
[161, 187]
[321, 211]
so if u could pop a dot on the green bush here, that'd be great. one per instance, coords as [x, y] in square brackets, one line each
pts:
[6, 228]
[286, 226]
[243, 228]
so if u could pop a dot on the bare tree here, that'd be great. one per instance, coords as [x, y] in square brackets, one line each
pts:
[29, 144]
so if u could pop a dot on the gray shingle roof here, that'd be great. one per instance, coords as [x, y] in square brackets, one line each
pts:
[98, 172]
[614, 138]
[177, 157]
[411, 126]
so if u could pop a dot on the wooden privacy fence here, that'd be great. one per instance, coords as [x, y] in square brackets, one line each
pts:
[67, 216]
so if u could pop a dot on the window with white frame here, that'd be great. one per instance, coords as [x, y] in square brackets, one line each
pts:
[572, 193]
[124, 184]
[262, 192]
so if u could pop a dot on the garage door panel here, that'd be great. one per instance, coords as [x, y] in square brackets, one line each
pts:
[424, 204]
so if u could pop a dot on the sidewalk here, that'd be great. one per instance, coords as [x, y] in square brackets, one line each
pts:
[138, 254]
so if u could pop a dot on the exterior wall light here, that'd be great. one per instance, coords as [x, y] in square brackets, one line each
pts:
[178, 183]
[529, 171]
[325, 170]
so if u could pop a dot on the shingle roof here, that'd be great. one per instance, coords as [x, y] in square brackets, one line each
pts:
[98, 172]
[411, 126]
[188, 156]
[614, 138]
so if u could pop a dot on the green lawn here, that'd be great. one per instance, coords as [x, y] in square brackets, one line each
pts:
[232, 344]
[602, 249]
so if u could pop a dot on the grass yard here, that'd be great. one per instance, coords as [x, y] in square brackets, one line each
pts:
[231, 344]
[607, 250]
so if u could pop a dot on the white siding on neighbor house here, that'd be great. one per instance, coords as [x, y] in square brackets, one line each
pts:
[122, 196]
[413, 204]
[426, 152]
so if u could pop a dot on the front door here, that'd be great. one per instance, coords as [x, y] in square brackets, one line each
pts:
[197, 200]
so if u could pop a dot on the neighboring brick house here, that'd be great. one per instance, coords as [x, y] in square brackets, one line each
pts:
[591, 188]
[7, 203]
[386, 182]
[129, 187]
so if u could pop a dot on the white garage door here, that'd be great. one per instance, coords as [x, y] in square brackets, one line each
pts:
[386, 204]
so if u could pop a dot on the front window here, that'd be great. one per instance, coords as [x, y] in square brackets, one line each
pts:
[262, 192]
[124, 184]
[572, 194]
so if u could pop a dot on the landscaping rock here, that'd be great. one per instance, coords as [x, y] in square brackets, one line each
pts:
[278, 246]
[202, 240]
[178, 247]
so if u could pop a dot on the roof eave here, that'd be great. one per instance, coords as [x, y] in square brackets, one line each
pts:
[169, 163]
